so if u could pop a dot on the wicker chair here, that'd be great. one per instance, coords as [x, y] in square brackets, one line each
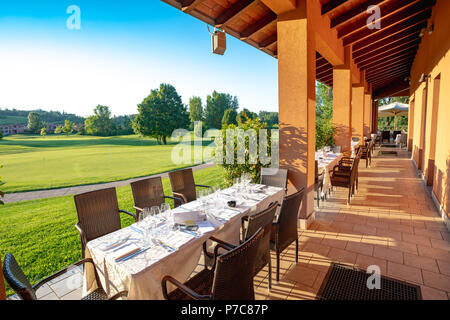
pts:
[149, 192]
[183, 186]
[395, 133]
[318, 184]
[284, 229]
[366, 152]
[98, 214]
[262, 219]
[2, 283]
[18, 281]
[274, 177]
[230, 278]
[386, 135]
[346, 179]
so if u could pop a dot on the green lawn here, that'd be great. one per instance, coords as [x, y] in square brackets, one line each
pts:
[36, 163]
[41, 233]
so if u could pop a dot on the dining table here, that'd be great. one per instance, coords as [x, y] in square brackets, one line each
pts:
[326, 162]
[137, 257]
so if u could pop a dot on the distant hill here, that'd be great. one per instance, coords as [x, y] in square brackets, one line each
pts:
[13, 116]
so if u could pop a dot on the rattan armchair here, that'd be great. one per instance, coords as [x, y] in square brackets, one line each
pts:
[98, 214]
[366, 152]
[183, 186]
[262, 219]
[385, 135]
[148, 193]
[318, 183]
[284, 229]
[230, 277]
[18, 281]
[274, 177]
[346, 179]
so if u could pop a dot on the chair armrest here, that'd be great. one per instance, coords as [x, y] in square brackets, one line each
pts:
[180, 195]
[119, 295]
[224, 243]
[129, 213]
[175, 198]
[61, 272]
[82, 234]
[204, 186]
[138, 209]
[182, 287]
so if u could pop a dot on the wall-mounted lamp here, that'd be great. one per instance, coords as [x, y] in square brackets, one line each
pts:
[423, 78]
[428, 29]
[218, 41]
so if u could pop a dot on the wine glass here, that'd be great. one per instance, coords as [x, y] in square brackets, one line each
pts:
[154, 210]
[165, 210]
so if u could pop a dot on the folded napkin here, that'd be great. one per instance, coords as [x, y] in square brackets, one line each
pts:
[188, 217]
[205, 227]
[176, 239]
[123, 251]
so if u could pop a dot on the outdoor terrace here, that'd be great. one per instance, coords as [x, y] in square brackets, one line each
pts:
[391, 222]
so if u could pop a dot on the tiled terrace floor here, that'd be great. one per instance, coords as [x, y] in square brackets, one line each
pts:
[391, 222]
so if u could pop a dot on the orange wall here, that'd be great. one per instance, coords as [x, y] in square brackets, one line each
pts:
[433, 58]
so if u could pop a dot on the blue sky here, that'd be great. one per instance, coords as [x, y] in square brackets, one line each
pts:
[123, 50]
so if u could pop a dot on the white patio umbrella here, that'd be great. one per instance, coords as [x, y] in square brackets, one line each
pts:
[393, 110]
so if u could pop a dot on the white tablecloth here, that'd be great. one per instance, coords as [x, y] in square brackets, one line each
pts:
[355, 144]
[141, 275]
[326, 164]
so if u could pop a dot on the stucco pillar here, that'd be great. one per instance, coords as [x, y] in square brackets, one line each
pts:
[368, 115]
[297, 103]
[342, 108]
[411, 124]
[358, 101]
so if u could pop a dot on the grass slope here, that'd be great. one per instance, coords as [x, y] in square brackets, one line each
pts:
[36, 163]
[41, 233]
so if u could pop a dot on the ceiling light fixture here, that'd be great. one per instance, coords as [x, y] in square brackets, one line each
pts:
[218, 41]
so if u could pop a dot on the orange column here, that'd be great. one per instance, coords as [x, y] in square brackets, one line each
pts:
[342, 109]
[368, 115]
[358, 112]
[297, 103]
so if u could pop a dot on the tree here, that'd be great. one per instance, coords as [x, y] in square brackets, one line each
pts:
[68, 127]
[44, 131]
[100, 124]
[229, 117]
[271, 118]
[34, 122]
[58, 129]
[216, 104]
[161, 113]
[245, 115]
[195, 109]
[324, 116]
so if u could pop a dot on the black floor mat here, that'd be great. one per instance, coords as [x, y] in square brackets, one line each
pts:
[347, 283]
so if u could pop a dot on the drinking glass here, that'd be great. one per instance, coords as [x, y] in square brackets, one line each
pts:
[154, 211]
[144, 214]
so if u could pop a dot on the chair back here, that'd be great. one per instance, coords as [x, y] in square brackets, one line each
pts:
[98, 212]
[385, 135]
[233, 277]
[2, 283]
[148, 192]
[16, 279]
[274, 177]
[182, 181]
[262, 219]
[287, 219]
[394, 135]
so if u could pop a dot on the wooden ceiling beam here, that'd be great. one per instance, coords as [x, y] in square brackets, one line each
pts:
[232, 12]
[400, 75]
[375, 60]
[323, 68]
[394, 10]
[189, 5]
[421, 15]
[324, 73]
[380, 75]
[386, 44]
[331, 5]
[389, 64]
[389, 61]
[382, 52]
[259, 26]
[353, 13]
[268, 41]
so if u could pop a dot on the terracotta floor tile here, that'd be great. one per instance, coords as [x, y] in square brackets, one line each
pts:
[362, 248]
[407, 273]
[435, 253]
[343, 256]
[425, 263]
[440, 244]
[302, 275]
[444, 267]
[403, 246]
[316, 249]
[302, 292]
[432, 234]
[432, 294]
[436, 280]
[417, 239]
[388, 254]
